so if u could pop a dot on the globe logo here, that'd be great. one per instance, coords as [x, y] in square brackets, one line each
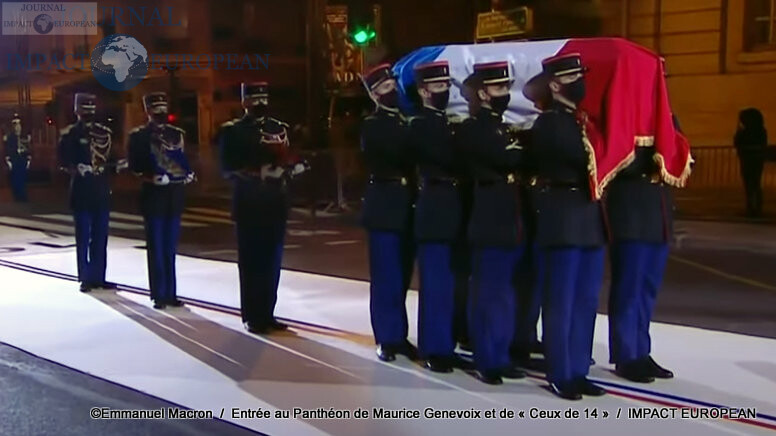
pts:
[119, 62]
[43, 24]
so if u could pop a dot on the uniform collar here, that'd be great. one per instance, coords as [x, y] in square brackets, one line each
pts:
[489, 114]
[434, 111]
[562, 107]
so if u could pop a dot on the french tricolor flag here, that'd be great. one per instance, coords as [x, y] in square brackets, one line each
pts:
[626, 99]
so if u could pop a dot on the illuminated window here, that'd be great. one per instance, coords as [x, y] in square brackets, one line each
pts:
[760, 26]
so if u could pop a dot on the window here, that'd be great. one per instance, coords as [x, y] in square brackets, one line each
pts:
[760, 26]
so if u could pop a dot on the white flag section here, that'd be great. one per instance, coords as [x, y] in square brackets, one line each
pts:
[524, 58]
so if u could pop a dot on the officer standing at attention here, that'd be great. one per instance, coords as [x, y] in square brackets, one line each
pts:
[17, 157]
[85, 152]
[495, 230]
[387, 213]
[570, 230]
[156, 155]
[640, 209]
[255, 157]
[437, 216]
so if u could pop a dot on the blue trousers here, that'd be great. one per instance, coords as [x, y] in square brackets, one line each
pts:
[572, 281]
[436, 300]
[391, 258]
[529, 300]
[91, 238]
[162, 234]
[637, 273]
[492, 306]
[19, 181]
[259, 260]
[462, 270]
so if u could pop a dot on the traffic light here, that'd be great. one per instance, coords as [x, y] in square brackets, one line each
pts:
[361, 18]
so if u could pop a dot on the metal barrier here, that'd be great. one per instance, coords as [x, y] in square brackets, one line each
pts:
[719, 167]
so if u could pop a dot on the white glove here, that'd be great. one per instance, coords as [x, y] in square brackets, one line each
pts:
[298, 169]
[122, 164]
[83, 169]
[28, 163]
[272, 172]
[189, 178]
[161, 180]
[8, 162]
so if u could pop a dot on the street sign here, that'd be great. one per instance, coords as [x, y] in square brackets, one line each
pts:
[518, 21]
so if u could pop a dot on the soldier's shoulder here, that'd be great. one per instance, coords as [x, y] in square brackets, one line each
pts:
[229, 124]
[176, 129]
[137, 130]
[275, 121]
[103, 127]
[67, 129]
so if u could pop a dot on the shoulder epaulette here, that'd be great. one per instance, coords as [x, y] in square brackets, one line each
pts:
[277, 121]
[136, 129]
[176, 128]
[230, 123]
[66, 130]
[103, 127]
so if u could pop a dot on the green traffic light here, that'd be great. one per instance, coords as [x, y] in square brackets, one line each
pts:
[361, 37]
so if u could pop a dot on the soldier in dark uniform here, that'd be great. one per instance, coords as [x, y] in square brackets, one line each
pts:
[570, 231]
[156, 155]
[437, 216]
[640, 209]
[387, 213]
[85, 152]
[17, 157]
[495, 228]
[256, 158]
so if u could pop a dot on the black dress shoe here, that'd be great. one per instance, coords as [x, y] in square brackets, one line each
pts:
[408, 350]
[256, 329]
[513, 373]
[277, 325]
[586, 387]
[85, 287]
[439, 364]
[386, 353]
[537, 348]
[658, 371]
[567, 391]
[175, 303]
[159, 305]
[107, 286]
[635, 371]
[465, 345]
[489, 377]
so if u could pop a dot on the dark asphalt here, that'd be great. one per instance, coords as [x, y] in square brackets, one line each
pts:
[38, 397]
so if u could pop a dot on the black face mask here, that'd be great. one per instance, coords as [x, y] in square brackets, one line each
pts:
[500, 104]
[575, 91]
[439, 100]
[390, 100]
[259, 110]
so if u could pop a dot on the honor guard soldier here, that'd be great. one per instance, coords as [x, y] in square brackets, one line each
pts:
[17, 157]
[495, 227]
[156, 155]
[640, 209]
[570, 231]
[85, 152]
[387, 213]
[437, 216]
[256, 158]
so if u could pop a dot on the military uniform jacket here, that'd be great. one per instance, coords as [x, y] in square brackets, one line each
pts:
[565, 214]
[91, 191]
[144, 157]
[438, 213]
[493, 159]
[639, 206]
[261, 202]
[387, 152]
[17, 148]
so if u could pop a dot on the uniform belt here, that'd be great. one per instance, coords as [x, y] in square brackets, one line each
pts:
[428, 181]
[509, 179]
[397, 180]
[560, 184]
